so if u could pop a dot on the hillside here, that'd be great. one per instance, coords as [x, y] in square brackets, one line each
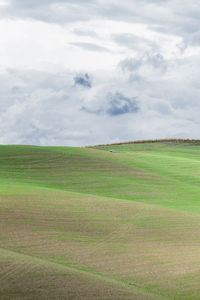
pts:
[88, 223]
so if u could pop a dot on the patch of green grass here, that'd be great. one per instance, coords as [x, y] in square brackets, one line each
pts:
[129, 217]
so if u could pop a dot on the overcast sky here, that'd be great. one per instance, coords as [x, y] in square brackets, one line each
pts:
[76, 72]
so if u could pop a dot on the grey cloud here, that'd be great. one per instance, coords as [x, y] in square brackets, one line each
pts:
[174, 17]
[31, 4]
[83, 80]
[115, 104]
[171, 16]
[168, 15]
[192, 39]
[149, 59]
[91, 47]
[84, 32]
[119, 104]
[162, 107]
[53, 11]
[134, 42]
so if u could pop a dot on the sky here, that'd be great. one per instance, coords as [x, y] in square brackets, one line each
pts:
[77, 73]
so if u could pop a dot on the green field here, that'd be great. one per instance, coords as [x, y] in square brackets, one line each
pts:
[87, 223]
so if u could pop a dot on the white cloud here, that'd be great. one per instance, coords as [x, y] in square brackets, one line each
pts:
[74, 73]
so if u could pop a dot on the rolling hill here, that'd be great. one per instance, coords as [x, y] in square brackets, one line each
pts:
[105, 222]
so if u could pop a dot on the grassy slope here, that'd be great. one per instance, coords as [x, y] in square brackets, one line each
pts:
[67, 230]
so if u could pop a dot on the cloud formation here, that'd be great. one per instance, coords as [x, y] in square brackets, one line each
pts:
[113, 104]
[83, 80]
[91, 47]
[172, 16]
[119, 104]
[102, 71]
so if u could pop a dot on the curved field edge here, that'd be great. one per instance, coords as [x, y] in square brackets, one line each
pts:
[150, 141]
[165, 174]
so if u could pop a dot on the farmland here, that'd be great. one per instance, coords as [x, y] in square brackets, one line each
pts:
[88, 223]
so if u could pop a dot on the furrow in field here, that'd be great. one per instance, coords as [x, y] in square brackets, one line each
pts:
[21, 261]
